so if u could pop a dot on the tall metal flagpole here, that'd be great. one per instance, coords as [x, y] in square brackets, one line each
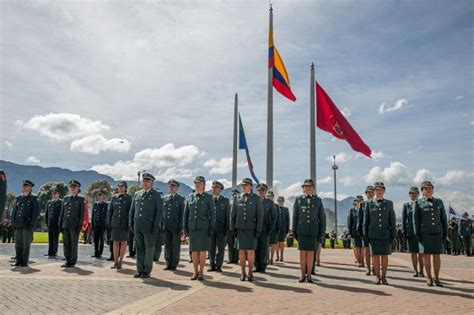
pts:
[270, 112]
[335, 167]
[312, 124]
[234, 148]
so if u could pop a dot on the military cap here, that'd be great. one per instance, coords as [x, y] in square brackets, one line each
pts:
[414, 190]
[354, 202]
[148, 176]
[235, 192]
[246, 180]
[379, 184]
[173, 182]
[28, 182]
[270, 193]
[122, 183]
[199, 179]
[56, 190]
[308, 181]
[100, 193]
[281, 198]
[369, 188]
[262, 185]
[74, 183]
[217, 184]
[359, 197]
[465, 215]
[425, 184]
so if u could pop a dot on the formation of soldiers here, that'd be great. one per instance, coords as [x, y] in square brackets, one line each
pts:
[252, 225]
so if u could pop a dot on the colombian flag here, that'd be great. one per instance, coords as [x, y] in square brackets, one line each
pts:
[281, 81]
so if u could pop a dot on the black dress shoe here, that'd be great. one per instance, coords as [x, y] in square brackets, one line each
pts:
[15, 264]
[377, 281]
[110, 259]
[242, 277]
[211, 269]
[24, 265]
[309, 279]
[65, 265]
[415, 275]
[367, 273]
[438, 283]
[250, 278]
[201, 278]
[94, 256]
[167, 268]
[302, 279]
[384, 281]
[145, 275]
[219, 270]
[194, 277]
[47, 255]
[137, 275]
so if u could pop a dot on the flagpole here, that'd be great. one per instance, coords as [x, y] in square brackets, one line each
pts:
[312, 124]
[270, 112]
[234, 148]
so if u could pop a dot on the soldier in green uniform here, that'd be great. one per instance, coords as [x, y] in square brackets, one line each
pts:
[246, 221]
[173, 224]
[145, 217]
[24, 216]
[3, 192]
[273, 236]
[380, 229]
[465, 231]
[218, 237]
[352, 227]
[309, 225]
[269, 218]
[431, 229]
[199, 223]
[118, 222]
[71, 219]
[284, 227]
[454, 237]
[369, 194]
[99, 216]
[232, 251]
[408, 228]
[52, 212]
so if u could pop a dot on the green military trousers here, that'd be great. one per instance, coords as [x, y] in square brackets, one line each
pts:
[70, 245]
[145, 242]
[261, 254]
[23, 239]
[217, 249]
[172, 248]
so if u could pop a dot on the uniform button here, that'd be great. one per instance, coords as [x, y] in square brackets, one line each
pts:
[168, 217]
[433, 223]
[195, 217]
[307, 221]
[380, 225]
[380, 214]
[140, 215]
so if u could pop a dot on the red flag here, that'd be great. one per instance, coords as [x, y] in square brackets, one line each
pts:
[330, 119]
[85, 223]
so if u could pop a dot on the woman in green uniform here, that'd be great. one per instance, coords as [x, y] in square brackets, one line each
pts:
[309, 224]
[380, 229]
[408, 228]
[246, 220]
[199, 223]
[273, 237]
[284, 227]
[431, 230]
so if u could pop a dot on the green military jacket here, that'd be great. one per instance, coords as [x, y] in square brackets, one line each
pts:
[198, 212]
[119, 211]
[284, 219]
[99, 214]
[173, 213]
[408, 225]
[146, 211]
[269, 215]
[362, 211]
[309, 217]
[379, 220]
[465, 227]
[25, 211]
[353, 221]
[3, 194]
[53, 210]
[246, 213]
[221, 214]
[430, 217]
[72, 212]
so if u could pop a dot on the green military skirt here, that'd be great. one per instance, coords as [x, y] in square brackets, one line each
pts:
[281, 236]
[199, 240]
[273, 237]
[432, 244]
[357, 241]
[307, 242]
[380, 247]
[119, 234]
[413, 246]
[246, 239]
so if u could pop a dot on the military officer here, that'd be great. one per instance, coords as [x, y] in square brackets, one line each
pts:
[431, 229]
[218, 237]
[99, 215]
[232, 251]
[53, 210]
[3, 192]
[309, 225]
[24, 216]
[352, 226]
[465, 231]
[269, 221]
[71, 219]
[246, 222]
[199, 224]
[146, 213]
[380, 230]
[284, 227]
[173, 224]
[369, 194]
[454, 237]
[118, 221]
[408, 229]
[273, 236]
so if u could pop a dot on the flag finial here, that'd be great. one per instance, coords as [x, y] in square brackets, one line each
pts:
[312, 66]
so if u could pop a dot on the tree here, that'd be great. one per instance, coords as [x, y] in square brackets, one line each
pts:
[100, 185]
[133, 189]
[9, 204]
[45, 193]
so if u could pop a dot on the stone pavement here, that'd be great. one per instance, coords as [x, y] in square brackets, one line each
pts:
[341, 287]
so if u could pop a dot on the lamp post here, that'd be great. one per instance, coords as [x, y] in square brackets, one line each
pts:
[335, 167]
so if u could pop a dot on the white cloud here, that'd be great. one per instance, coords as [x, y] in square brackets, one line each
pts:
[120, 170]
[7, 144]
[325, 180]
[418, 148]
[421, 175]
[221, 166]
[346, 112]
[453, 176]
[340, 157]
[461, 201]
[227, 183]
[377, 155]
[399, 104]
[96, 143]
[348, 181]
[330, 194]
[459, 97]
[173, 173]
[291, 191]
[396, 174]
[63, 126]
[33, 160]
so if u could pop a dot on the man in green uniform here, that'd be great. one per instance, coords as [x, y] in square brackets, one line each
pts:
[408, 228]
[232, 251]
[465, 231]
[71, 219]
[352, 226]
[221, 217]
[172, 224]
[146, 213]
[369, 194]
[99, 215]
[269, 221]
[53, 210]
[3, 192]
[24, 216]
[454, 238]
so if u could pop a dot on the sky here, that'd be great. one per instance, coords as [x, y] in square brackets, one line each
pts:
[119, 87]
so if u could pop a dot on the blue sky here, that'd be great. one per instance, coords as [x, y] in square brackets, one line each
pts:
[119, 87]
